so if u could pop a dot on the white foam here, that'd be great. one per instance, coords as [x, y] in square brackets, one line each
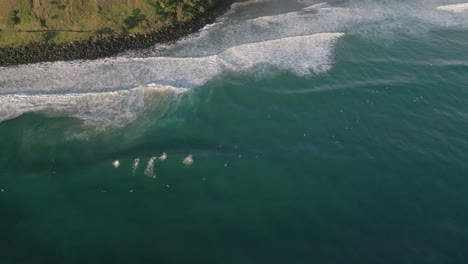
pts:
[118, 108]
[86, 91]
[136, 162]
[150, 167]
[456, 8]
[310, 2]
[188, 161]
[245, 3]
[383, 19]
[302, 55]
[316, 6]
[302, 41]
[163, 156]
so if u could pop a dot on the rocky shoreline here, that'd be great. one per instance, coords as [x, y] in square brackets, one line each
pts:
[105, 46]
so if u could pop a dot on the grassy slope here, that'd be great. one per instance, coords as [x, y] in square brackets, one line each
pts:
[59, 21]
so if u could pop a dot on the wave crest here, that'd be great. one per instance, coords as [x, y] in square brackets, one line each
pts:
[456, 8]
[98, 90]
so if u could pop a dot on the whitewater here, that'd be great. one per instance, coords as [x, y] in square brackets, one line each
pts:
[285, 132]
[255, 36]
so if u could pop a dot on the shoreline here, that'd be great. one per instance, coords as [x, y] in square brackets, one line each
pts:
[106, 46]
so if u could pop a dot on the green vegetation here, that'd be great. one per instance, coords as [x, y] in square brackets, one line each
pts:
[60, 21]
[14, 18]
[135, 19]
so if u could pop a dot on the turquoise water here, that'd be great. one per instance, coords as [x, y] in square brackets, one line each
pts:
[340, 136]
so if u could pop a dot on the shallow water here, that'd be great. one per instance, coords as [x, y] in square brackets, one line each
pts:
[324, 132]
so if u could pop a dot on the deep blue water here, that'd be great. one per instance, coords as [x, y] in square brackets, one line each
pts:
[329, 133]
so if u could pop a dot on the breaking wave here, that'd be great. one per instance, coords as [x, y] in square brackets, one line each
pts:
[100, 90]
[119, 107]
[300, 39]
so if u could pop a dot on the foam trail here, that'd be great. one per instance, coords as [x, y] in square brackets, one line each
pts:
[136, 162]
[150, 168]
[457, 8]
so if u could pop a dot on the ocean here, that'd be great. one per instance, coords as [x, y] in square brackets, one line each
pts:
[320, 132]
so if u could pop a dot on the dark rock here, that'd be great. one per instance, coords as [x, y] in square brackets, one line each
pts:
[104, 46]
